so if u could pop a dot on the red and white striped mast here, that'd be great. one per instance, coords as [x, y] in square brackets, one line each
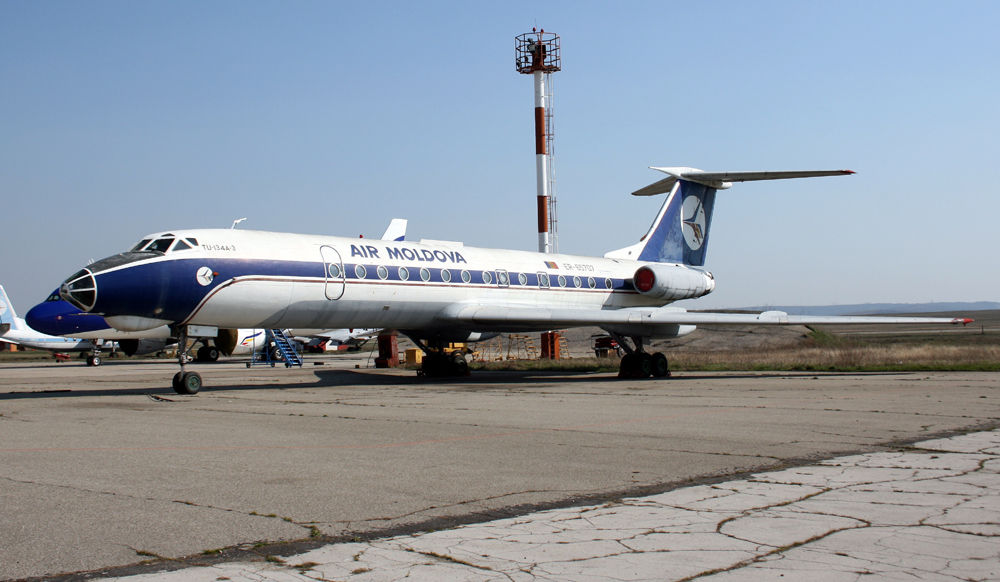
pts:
[537, 54]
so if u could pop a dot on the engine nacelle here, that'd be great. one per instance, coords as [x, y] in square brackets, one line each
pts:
[673, 282]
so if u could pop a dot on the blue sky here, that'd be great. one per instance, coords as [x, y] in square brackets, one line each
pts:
[124, 118]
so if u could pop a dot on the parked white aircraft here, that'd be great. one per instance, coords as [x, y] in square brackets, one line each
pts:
[198, 281]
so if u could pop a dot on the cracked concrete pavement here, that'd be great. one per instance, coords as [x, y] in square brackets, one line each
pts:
[930, 512]
[104, 468]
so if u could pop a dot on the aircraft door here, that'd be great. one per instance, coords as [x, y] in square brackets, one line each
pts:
[333, 269]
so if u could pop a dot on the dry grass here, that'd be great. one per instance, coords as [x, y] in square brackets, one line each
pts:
[850, 357]
[823, 351]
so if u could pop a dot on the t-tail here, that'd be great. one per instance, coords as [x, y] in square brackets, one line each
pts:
[679, 234]
[8, 319]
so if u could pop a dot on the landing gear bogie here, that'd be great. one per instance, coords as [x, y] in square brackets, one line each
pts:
[638, 363]
[442, 365]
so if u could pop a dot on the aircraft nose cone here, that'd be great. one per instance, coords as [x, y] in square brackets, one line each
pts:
[80, 290]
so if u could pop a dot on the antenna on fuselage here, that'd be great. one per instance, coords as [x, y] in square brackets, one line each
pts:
[237, 221]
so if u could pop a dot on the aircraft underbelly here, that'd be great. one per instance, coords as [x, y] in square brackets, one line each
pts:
[305, 303]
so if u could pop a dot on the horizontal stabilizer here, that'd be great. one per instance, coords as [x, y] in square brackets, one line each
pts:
[722, 180]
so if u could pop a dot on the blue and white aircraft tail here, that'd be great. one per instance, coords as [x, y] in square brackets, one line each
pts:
[8, 317]
[679, 233]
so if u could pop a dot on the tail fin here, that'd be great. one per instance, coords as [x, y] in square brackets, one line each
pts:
[7, 315]
[679, 233]
[396, 230]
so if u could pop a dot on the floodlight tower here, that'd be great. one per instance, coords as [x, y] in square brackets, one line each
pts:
[537, 53]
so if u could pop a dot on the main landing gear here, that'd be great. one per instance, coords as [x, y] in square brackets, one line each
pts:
[638, 363]
[439, 363]
[94, 358]
[207, 353]
[185, 382]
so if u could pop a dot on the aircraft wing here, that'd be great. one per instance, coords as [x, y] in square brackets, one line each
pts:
[530, 317]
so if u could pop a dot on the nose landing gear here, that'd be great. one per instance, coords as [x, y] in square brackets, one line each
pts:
[185, 382]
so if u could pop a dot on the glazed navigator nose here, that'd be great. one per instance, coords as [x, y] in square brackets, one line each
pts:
[80, 290]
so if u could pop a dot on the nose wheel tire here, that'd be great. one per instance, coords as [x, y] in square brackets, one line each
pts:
[93, 360]
[187, 382]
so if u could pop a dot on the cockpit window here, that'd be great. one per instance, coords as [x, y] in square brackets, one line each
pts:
[192, 241]
[160, 245]
[141, 244]
[181, 246]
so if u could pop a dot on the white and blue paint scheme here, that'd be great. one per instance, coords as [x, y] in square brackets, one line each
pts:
[433, 291]
[57, 317]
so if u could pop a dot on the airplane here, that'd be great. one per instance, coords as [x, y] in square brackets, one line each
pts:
[434, 292]
[318, 341]
[57, 317]
[15, 330]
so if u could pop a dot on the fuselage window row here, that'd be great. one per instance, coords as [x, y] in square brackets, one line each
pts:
[499, 278]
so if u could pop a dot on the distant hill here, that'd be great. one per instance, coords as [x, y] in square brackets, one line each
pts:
[873, 308]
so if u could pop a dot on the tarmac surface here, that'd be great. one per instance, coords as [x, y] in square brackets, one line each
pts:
[104, 468]
[931, 512]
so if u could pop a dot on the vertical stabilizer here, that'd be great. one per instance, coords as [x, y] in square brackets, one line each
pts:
[396, 230]
[7, 316]
[681, 233]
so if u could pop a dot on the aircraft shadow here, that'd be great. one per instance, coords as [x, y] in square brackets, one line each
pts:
[360, 378]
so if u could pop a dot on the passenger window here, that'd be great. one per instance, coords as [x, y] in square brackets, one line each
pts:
[608, 283]
[425, 274]
[383, 273]
[360, 271]
[466, 276]
[335, 271]
[487, 278]
[446, 275]
[591, 283]
[562, 281]
[577, 282]
[543, 279]
[522, 279]
[404, 274]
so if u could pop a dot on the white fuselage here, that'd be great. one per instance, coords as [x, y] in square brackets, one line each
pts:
[236, 278]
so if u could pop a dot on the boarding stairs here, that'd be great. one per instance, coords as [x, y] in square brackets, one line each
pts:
[278, 347]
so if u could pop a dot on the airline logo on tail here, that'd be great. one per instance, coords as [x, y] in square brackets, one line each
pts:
[693, 222]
